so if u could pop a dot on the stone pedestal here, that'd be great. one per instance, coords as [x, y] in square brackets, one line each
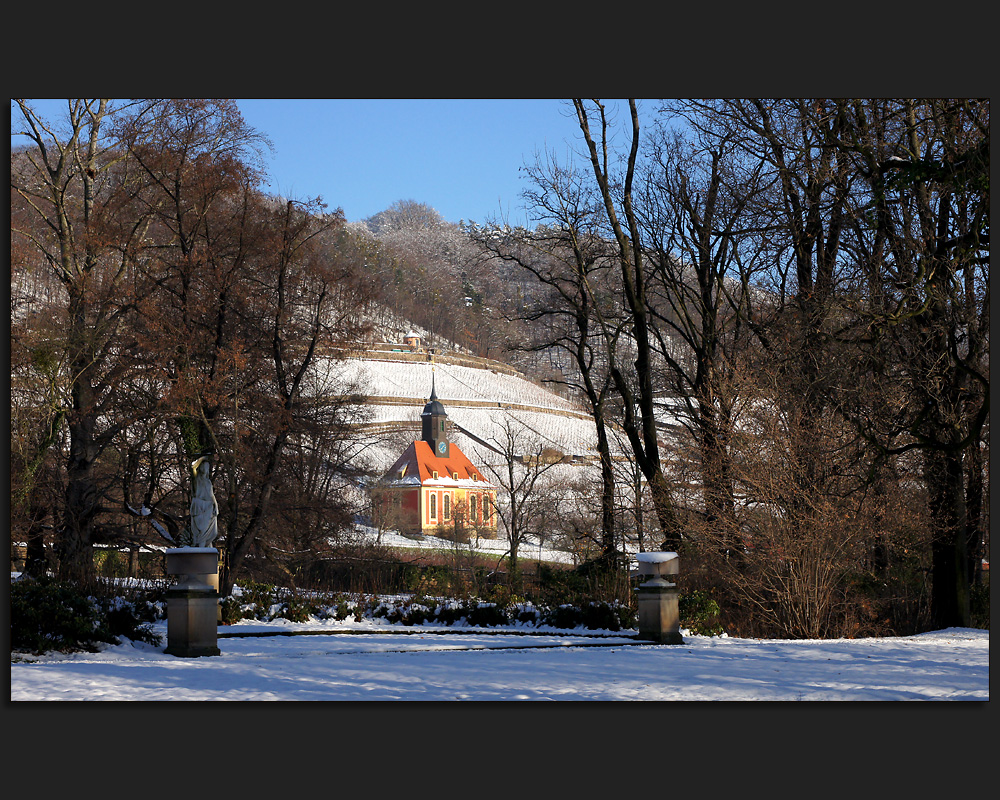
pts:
[193, 602]
[659, 617]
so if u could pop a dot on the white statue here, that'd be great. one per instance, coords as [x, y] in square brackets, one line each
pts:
[204, 509]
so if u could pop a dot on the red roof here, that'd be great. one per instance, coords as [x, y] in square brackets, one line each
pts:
[420, 460]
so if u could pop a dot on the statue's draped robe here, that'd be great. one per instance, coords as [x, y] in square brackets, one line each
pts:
[204, 508]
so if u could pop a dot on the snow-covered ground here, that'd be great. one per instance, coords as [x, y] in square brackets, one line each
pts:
[454, 383]
[373, 660]
[530, 549]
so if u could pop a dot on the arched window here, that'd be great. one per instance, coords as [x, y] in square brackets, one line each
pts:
[473, 515]
[447, 506]
[433, 506]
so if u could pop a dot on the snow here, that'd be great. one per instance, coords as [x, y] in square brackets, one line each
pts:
[656, 557]
[480, 399]
[531, 547]
[374, 660]
[453, 383]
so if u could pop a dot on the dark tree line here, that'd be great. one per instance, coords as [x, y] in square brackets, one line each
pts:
[802, 286]
[163, 307]
[778, 307]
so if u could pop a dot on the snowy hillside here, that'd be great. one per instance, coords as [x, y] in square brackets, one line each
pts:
[390, 378]
[482, 401]
[492, 409]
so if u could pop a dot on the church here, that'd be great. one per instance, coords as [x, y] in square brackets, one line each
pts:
[434, 489]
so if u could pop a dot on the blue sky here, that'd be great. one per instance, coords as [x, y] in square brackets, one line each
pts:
[461, 157]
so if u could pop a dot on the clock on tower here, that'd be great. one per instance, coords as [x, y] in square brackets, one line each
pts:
[433, 423]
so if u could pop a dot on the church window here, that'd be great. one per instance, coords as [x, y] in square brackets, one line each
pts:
[472, 507]
[433, 506]
[447, 506]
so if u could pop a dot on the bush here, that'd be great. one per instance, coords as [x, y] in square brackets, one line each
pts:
[594, 616]
[431, 580]
[485, 615]
[294, 609]
[265, 602]
[256, 599]
[600, 581]
[450, 612]
[341, 608]
[50, 615]
[232, 610]
[416, 612]
[699, 613]
[131, 618]
[979, 602]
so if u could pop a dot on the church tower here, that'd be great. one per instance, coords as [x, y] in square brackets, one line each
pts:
[433, 423]
[433, 488]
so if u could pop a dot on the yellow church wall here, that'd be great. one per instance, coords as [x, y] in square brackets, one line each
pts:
[458, 503]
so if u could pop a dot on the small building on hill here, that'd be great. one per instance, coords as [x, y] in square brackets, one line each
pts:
[433, 488]
[412, 340]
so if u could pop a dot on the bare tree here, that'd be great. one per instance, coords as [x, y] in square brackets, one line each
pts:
[700, 240]
[633, 381]
[251, 293]
[570, 266]
[921, 240]
[67, 179]
[522, 503]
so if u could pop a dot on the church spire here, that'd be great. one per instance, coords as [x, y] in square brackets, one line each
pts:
[432, 423]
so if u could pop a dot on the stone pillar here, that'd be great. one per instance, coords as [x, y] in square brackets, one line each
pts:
[659, 617]
[193, 602]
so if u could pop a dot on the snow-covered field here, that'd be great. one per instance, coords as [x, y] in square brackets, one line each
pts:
[530, 548]
[373, 660]
[453, 383]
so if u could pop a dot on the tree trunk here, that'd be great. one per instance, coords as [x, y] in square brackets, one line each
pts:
[76, 556]
[718, 482]
[975, 496]
[607, 490]
[949, 566]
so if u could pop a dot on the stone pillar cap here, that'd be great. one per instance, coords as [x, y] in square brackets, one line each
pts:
[655, 556]
[658, 563]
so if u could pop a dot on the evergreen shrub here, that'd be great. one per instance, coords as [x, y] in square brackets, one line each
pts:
[699, 613]
[593, 615]
[231, 610]
[294, 608]
[485, 615]
[256, 600]
[46, 615]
